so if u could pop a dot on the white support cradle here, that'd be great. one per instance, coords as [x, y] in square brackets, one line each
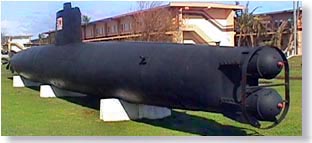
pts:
[119, 110]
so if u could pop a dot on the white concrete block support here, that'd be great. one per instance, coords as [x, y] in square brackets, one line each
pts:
[46, 91]
[18, 81]
[119, 110]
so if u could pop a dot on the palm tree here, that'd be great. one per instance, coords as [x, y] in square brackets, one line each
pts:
[277, 37]
[85, 20]
[41, 38]
[248, 25]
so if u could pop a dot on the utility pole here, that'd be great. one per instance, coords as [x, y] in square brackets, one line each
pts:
[296, 15]
[298, 11]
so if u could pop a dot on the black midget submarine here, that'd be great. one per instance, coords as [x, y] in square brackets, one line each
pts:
[192, 77]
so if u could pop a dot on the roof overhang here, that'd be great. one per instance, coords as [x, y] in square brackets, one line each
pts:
[206, 5]
[18, 36]
[277, 12]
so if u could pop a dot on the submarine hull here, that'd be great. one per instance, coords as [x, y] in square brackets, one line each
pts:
[171, 75]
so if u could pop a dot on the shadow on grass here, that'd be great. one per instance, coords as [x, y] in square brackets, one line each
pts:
[184, 122]
[179, 121]
[36, 88]
[86, 101]
[73, 97]
[78, 98]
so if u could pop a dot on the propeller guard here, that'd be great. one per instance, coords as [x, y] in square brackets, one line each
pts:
[243, 93]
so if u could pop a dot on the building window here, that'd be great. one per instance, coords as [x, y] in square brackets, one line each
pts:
[103, 30]
[122, 27]
[114, 29]
[89, 32]
[98, 31]
[130, 26]
[127, 27]
[108, 29]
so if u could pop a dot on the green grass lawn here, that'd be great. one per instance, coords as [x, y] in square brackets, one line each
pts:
[295, 65]
[24, 113]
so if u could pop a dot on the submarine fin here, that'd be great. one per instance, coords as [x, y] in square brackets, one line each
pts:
[68, 25]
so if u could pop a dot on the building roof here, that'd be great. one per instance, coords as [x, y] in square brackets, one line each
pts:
[206, 4]
[178, 4]
[49, 32]
[277, 12]
[19, 36]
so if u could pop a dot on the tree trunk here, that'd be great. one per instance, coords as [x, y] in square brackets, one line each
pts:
[252, 40]
[239, 39]
[290, 44]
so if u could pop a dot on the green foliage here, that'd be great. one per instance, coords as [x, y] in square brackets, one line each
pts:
[247, 24]
[85, 19]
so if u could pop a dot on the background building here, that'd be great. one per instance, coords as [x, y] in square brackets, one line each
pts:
[198, 23]
[179, 22]
[44, 38]
[15, 43]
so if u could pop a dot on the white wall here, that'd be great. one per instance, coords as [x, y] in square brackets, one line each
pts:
[212, 31]
[20, 41]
